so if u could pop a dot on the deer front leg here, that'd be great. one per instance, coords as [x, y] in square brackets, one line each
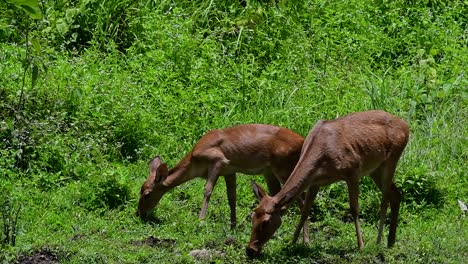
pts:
[230, 180]
[305, 210]
[273, 183]
[353, 190]
[213, 175]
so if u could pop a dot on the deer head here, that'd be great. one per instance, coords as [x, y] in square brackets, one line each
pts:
[347, 148]
[153, 188]
[265, 220]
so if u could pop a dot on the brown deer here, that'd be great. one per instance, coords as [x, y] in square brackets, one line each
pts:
[363, 143]
[249, 149]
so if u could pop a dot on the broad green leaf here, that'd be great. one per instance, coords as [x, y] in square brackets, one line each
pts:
[3, 25]
[36, 45]
[31, 7]
[62, 26]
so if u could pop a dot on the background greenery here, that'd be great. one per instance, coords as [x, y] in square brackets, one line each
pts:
[91, 90]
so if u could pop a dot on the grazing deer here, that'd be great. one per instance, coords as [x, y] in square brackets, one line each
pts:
[249, 149]
[364, 143]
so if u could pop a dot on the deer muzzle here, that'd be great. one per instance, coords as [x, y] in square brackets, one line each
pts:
[252, 252]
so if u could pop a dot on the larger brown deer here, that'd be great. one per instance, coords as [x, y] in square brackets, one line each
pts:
[364, 143]
[249, 149]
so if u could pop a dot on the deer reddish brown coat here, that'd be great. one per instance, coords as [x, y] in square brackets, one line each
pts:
[249, 149]
[363, 143]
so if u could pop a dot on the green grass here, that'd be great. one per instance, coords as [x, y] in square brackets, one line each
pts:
[109, 86]
[436, 235]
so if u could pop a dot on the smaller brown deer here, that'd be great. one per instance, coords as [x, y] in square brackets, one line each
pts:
[363, 143]
[249, 149]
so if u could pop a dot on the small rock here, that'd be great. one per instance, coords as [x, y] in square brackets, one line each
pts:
[463, 207]
[205, 254]
[230, 241]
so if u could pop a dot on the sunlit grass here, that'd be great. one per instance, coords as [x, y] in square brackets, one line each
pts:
[76, 155]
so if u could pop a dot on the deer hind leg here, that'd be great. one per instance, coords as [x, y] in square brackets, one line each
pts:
[213, 175]
[383, 216]
[230, 180]
[378, 178]
[395, 199]
[305, 210]
[383, 178]
[353, 190]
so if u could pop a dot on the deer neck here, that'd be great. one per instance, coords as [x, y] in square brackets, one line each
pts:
[180, 174]
[300, 179]
[306, 172]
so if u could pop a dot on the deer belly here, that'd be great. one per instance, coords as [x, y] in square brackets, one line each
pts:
[248, 171]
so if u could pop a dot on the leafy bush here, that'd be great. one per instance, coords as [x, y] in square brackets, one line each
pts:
[109, 84]
[419, 188]
[9, 215]
[76, 25]
[106, 194]
[333, 201]
[98, 23]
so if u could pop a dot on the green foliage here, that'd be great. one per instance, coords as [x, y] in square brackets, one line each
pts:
[31, 7]
[9, 215]
[111, 194]
[105, 194]
[94, 89]
[420, 189]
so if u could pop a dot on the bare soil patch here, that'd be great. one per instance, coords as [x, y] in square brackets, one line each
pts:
[42, 256]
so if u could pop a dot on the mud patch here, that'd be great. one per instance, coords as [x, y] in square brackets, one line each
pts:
[155, 242]
[43, 256]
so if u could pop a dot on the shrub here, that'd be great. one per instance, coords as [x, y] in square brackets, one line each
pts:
[105, 194]
[419, 188]
[9, 215]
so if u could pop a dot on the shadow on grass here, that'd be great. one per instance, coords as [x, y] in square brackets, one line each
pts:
[316, 250]
[155, 242]
[152, 220]
[313, 253]
[323, 253]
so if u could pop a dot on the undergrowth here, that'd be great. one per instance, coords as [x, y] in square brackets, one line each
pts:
[92, 90]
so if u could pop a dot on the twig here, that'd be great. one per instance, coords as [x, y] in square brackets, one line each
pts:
[26, 64]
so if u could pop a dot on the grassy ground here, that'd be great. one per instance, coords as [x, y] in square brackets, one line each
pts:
[104, 88]
[57, 222]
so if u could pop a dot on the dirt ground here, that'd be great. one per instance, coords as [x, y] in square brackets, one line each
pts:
[43, 256]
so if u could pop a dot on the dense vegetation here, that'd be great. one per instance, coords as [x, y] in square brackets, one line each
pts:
[91, 90]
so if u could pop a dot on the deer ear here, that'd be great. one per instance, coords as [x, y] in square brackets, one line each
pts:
[258, 191]
[161, 173]
[283, 209]
[158, 170]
